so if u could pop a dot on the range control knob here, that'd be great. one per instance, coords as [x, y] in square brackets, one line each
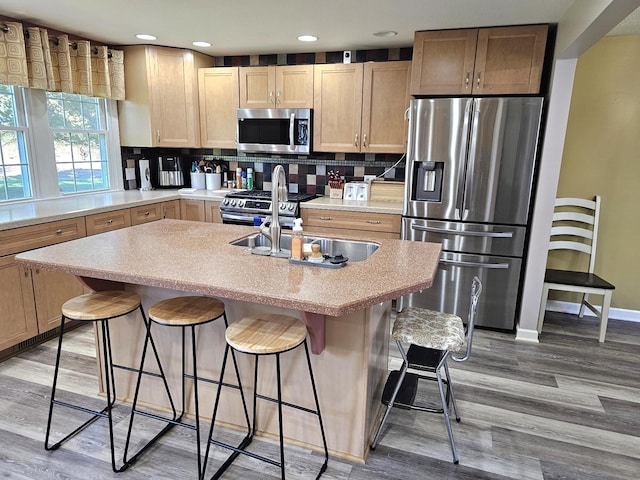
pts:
[292, 207]
[225, 201]
[283, 206]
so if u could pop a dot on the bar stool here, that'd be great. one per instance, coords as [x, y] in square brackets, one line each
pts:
[94, 307]
[183, 312]
[268, 334]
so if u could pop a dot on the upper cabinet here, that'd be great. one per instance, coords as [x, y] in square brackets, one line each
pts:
[485, 61]
[360, 107]
[161, 108]
[219, 103]
[286, 86]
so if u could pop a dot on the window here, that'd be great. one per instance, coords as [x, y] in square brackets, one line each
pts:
[15, 178]
[79, 132]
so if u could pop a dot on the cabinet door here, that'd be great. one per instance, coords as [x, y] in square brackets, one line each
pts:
[443, 62]
[173, 97]
[192, 210]
[51, 290]
[294, 86]
[337, 91]
[171, 209]
[212, 212]
[17, 308]
[376, 224]
[257, 87]
[510, 59]
[107, 221]
[385, 99]
[219, 103]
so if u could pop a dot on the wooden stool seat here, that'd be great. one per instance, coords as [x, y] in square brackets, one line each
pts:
[266, 333]
[101, 305]
[185, 311]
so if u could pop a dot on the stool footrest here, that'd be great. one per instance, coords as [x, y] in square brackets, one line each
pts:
[406, 398]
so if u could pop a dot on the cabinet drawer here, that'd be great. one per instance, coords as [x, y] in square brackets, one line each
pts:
[105, 222]
[27, 238]
[146, 213]
[376, 222]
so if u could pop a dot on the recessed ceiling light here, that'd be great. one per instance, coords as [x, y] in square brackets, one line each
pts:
[386, 33]
[307, 38]
[201, 44]
[146, 36]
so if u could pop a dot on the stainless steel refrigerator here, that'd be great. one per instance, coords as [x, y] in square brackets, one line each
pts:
[469, 177]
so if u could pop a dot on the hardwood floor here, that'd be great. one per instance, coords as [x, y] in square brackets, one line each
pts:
[567, 408]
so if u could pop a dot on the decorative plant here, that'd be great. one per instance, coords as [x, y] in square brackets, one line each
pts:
[335, 179]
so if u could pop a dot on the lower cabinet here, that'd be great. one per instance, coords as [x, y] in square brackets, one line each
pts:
[17, 306]
[200, 210]
[50, 291]
[108, 221]
[171, 209]
[369, 225]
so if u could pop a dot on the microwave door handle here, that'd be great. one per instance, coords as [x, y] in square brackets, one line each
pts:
[491, 266]
[292, 123]
[463, 233]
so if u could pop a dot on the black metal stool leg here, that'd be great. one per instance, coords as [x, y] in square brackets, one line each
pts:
[176, 417]
[315, 397]
[53, 391]
[281, 434]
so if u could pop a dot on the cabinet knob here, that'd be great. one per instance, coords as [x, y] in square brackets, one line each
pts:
[364, 140]
[59, 231]
[278, 97]
[466, 81]
[271, 96]
[478, 80]
[374, 222]
[146, 214]
[325, 218]
[158, 135]
[355, 142]
[110, 221]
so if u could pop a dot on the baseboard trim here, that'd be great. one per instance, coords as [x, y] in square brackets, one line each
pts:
[574, 309]
[526, 335]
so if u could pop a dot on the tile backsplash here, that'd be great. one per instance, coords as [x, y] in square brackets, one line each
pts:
[307, 174]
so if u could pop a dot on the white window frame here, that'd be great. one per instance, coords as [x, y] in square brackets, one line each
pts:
[44, 180]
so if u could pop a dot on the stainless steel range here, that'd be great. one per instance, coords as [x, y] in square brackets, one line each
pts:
[252, 206]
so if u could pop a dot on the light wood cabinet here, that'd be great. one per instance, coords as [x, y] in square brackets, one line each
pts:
[219, 102]
[369, 225]
[276, 86]
[50, 291]
[146, 213]
[171, 209]
[212, 212]
[30, 301]
[500, 60]
[108, 221]
[192, 210]
[360, 107]
[161, 107]
[17, 307]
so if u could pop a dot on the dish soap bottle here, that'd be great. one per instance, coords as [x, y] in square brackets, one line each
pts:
[297, 240]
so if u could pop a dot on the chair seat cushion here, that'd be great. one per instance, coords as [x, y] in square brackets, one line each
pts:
[430, 329]
[578, 279]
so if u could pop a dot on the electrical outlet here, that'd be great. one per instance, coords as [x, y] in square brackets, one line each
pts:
[369, 178]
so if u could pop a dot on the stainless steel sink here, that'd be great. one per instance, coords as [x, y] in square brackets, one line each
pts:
[354, 250]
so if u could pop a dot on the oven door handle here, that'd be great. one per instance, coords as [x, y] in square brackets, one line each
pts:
[292, 124]
[458, 232]
[239, 217]
[490, 266]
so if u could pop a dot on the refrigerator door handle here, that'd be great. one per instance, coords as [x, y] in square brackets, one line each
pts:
[459, 232]
[469, 111]
[489, 266]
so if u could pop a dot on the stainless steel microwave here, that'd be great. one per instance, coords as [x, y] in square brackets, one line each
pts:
[275, 130]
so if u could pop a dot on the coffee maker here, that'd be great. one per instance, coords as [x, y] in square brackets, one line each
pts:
[170, 172]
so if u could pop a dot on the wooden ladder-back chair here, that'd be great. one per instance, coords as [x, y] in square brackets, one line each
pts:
[575, 228]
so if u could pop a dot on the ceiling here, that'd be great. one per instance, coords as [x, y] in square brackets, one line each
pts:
[242, 27]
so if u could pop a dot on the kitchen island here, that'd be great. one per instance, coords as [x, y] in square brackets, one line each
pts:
[347, 309]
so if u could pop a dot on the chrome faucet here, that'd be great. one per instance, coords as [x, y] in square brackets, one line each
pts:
[278, 194]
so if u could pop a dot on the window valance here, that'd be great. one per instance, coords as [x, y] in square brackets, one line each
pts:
[32, 58]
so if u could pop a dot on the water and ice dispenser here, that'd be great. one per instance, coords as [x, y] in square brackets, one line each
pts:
[427, 181]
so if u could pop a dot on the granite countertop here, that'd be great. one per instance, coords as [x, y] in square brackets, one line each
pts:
[197, 257]
[22, 214]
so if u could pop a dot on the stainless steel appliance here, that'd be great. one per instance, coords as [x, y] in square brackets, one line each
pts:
[170, 172]
[469, 176]
[252, 206]
[275, 130]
